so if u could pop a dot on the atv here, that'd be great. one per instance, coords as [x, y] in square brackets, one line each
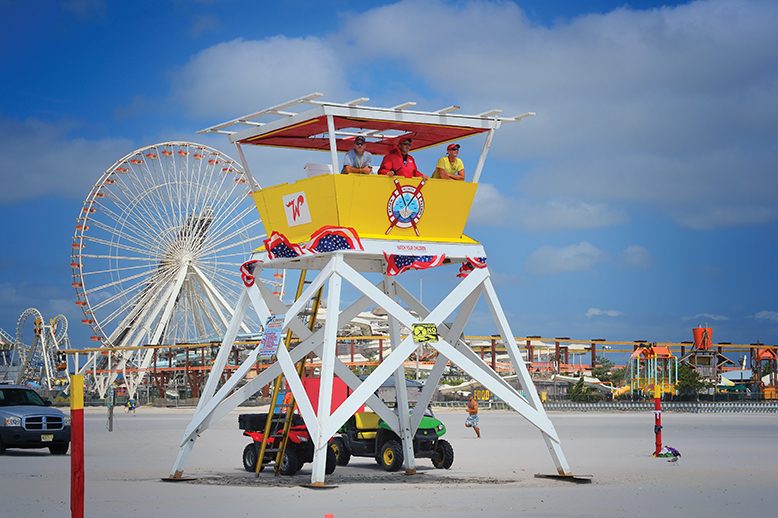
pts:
[299, 447]
[365, 435]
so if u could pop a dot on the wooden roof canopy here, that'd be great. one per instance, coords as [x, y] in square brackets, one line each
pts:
[330, 126]
[383, 128]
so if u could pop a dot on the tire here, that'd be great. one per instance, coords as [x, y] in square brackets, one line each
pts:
[342, 453]
[59, 449]
[443, 457]
[2, 447]
[332, 460]
[250, 454]
[391, 455]
[290, 464]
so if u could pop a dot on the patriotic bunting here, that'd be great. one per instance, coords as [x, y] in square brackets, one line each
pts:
[397, 264]
[326, 239]
[279, 246]
[247, 273]
[470, 264]
[330, 239]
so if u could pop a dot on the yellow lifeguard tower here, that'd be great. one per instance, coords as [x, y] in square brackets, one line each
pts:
[353, 227]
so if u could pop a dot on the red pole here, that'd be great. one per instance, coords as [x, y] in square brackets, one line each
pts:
[77, 446]
[657, 420]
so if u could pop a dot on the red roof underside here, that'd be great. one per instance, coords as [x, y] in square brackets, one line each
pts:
[301, 136]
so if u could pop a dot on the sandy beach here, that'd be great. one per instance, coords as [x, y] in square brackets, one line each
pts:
[729, 466]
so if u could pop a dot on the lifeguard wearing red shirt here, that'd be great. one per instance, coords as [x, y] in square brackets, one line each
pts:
[398, 162]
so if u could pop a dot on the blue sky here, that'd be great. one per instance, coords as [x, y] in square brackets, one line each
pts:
[638, 203]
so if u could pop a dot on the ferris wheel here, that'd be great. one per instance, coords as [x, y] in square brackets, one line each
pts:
[158, 245]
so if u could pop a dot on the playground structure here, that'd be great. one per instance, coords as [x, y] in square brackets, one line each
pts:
[764, 366]
[36, 355]
[653, 371]
[707, 361]
[351, 228]
[154, 250]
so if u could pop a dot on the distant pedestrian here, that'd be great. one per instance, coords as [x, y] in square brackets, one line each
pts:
[472, 417]
[131, 405]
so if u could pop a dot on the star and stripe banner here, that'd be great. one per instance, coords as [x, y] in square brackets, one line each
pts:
[397, 264]
[331, 239]
[277, 245]
[470, 264]
[327, 239]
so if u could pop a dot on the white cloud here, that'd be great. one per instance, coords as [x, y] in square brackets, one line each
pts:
[725, 216]
[491, 207]
[573, 258]
[636, 256]
[671, 107]
[597, 312]
[767, 315]
[41, 159]
[558, 215]
[704, 317]
[239, 76]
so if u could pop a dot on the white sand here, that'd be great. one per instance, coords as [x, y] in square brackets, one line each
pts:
[729, 468]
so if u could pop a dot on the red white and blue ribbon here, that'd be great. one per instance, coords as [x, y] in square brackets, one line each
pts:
[327, 239]
[247, 273]
[277, 245]
[331, 239]
[397, 264]
[470, 264]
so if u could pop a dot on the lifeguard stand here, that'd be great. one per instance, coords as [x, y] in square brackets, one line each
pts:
[350, 228]
[651, 367]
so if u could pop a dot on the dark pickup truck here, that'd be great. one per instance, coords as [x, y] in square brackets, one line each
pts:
[28, 421]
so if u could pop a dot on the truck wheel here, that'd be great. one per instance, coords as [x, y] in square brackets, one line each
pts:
[342, 454]
[443, 457]
[290, 464]
[59, 449]
[250, 454]
[332, 460]
[2, 447]
[391, 455]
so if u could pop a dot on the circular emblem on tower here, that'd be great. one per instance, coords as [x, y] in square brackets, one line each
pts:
[405, 206]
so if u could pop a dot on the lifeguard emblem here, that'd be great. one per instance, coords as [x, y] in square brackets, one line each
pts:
[405, 206]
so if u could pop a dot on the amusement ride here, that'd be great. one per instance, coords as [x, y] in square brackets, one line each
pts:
[34, 356]
[156, 245]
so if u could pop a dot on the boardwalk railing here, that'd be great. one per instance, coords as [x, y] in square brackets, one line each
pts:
[750, 407]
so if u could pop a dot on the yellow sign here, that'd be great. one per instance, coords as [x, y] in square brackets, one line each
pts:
[482, 394]
[423, 333]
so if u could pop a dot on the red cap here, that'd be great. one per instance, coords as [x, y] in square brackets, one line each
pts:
[452, 146]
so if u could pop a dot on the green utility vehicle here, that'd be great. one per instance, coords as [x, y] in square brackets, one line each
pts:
[365, 435]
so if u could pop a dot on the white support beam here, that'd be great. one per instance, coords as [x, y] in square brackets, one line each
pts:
[448, 109]
[333, 144]
[400, 389]
[309, 292]
[404, 105]
[484, 152]
[326, 376]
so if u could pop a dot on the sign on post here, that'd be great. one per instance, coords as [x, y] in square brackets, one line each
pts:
[425, 333]
[268, 345]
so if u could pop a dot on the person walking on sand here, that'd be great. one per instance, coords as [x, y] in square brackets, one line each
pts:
[472, 417]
